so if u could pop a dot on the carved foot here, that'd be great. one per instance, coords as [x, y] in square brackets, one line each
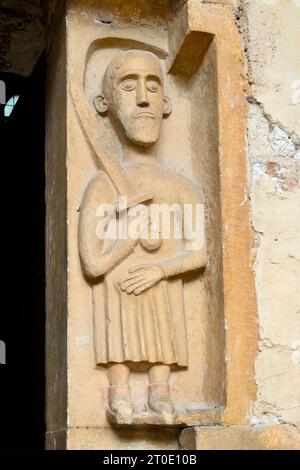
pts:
[160, 401]
[120, 409]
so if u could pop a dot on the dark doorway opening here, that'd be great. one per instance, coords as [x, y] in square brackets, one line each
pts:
[22, 317]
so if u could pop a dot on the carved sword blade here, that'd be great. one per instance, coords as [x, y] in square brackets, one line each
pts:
[112, 167]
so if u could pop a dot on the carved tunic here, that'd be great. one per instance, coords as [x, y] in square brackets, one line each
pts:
[149, 327]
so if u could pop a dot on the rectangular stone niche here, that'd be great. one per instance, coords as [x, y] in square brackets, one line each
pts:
[204, 140]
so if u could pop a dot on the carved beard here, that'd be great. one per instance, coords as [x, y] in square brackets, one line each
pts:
[142, 130]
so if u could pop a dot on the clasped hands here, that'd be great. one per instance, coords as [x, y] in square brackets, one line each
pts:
[141, 277]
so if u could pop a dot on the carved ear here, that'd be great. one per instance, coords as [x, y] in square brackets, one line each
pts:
[100, 104]
[167, 106]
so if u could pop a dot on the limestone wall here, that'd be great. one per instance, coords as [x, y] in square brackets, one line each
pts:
[271, 34]
[268, 80]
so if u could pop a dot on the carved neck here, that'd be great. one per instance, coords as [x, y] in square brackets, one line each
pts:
[134, 154]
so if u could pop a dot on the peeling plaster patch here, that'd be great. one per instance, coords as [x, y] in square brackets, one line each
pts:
[282, 176]
[286, 175]
[257, 172]
[273, 152]
[267, 419]
[282, 143]
[267, 124]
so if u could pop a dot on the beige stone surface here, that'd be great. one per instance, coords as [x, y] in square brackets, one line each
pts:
[276, 215]
[134, 304]
[274, 62]
[273, 138]
[205, 139]
[109, 439]
[279, 384]
[201, 390]
[241, 438]
[88, 385]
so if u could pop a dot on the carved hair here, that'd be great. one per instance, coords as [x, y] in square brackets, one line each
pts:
[114, 66]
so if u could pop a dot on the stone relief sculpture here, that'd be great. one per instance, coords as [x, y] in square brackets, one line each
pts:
[137, 281]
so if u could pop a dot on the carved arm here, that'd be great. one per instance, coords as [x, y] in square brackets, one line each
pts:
[184, 262]
[95, 260]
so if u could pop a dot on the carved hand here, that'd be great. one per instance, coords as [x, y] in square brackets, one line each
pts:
[141, 278]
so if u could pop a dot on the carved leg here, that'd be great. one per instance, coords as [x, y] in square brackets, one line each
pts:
[159, 392]
[120, 408]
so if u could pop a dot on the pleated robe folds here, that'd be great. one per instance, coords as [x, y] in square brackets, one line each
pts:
[149, 327]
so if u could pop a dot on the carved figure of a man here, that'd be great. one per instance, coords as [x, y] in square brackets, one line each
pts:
[139, 318]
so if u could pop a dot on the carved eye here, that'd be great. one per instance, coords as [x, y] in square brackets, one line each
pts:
[153, 86]
[129, 85]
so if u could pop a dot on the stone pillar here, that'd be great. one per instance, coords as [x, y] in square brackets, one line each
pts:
[56, 240]
[239, 437]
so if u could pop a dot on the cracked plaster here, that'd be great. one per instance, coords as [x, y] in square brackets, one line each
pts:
[274, 170]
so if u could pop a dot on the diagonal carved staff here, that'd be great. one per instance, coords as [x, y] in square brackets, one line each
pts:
[112, 167]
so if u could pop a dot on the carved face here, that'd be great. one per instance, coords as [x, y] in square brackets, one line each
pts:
[136, 99]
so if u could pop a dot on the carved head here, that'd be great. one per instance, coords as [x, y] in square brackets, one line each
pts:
[133, 94]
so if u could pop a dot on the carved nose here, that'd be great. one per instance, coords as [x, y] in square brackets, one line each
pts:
[142, 95]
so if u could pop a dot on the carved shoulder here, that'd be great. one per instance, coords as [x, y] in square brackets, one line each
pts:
[190, 191]
[99, 190]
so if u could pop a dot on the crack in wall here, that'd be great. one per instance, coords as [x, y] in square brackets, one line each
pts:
[295, 139]
[273, 156]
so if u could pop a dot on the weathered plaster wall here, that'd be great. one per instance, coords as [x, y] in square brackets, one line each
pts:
[271, 33]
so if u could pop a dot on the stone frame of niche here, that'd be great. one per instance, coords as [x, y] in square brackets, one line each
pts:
[199, 24]
[191, 33]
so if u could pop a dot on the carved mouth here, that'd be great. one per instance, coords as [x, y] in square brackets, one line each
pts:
[146, 114]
